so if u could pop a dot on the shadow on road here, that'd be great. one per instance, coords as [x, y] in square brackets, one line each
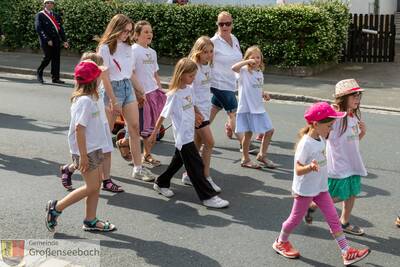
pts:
[18, 122]
[32, 167]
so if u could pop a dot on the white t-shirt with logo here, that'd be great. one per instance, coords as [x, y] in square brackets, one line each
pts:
[85, 111]
[312, 183]
[145, 65]
[250, 85]
[343, 151]
[120, 64]
[180, 108]
[201, 87]
[225, 56]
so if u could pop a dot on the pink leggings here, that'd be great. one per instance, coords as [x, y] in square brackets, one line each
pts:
[300, 206]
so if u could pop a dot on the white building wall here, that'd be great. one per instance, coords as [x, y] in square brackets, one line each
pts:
[388, 6]
[367, 6]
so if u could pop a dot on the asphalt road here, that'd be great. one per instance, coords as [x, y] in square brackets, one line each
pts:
[154, 231]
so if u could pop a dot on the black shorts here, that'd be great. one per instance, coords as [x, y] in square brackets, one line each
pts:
[203, 124]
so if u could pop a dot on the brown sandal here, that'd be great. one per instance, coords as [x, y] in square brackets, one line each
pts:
[124, 150]
[249, 164]
[149, 160]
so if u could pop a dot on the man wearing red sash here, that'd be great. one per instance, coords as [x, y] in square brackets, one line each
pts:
[51, 37]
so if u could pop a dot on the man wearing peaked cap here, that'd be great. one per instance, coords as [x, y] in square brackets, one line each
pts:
[48, 25]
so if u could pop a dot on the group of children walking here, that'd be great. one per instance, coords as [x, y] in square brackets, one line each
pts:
[122, 78]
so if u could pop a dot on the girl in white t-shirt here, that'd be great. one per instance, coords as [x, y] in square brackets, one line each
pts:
[201, 54]
[345, 164]
[251, 116]
[146, 79]
[116, 51]
[68, 169]
[86, 138]
[310, 183]
[185, 116]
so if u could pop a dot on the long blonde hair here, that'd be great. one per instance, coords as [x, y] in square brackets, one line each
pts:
[184, 65]
[114, 29]
[199, 46]
[250, 51]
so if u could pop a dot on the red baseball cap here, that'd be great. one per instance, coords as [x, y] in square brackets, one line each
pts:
[86, 72]
[320, 111]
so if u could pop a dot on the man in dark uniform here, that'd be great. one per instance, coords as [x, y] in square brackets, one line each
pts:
[51, 37]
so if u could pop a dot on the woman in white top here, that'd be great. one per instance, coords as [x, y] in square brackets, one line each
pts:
[223, 86]
[115, 49]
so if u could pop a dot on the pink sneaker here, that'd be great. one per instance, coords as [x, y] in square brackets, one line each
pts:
[259, 137]
[354, 255]
[286, 249]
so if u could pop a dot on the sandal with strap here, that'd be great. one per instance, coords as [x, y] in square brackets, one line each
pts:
[149, 160]
[124, 150]
[92, 226]
[397, 222]
[309, 218]
[66, 175]
[109, 185]
[51, 215]
[352, 229]
[266, 162]
[250, 165]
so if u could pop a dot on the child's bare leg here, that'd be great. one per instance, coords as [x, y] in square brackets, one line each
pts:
[207, 139]
[245, 146]
[265, 143]
[92, 184]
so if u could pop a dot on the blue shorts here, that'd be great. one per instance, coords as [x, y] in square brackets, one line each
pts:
[123, 91]
[222, 99]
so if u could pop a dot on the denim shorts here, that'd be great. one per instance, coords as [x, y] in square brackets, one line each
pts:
[223, 99]
[123, 91]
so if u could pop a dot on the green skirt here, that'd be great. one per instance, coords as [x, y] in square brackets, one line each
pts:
[344, 188]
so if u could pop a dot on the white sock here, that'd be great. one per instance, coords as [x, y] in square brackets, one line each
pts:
[137, 168]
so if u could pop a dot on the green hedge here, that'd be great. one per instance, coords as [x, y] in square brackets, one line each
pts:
[291, 35]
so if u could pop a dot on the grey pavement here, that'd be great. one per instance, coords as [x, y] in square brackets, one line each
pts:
[381, 80]
[179, 232]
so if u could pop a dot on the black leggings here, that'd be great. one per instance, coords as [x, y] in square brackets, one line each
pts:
[188, 156]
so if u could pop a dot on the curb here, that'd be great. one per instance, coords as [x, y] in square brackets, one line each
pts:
[274, 95]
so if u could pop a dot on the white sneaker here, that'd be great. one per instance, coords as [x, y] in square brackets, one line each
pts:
[186, 179]
[166, 192]
[213, 185]
[143, 175]
[216, 202]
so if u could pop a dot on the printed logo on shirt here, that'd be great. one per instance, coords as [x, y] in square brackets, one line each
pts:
[259, 83]
[95, 114]
[207, 78]
[188, 103]
[354, 135]
[149, 60]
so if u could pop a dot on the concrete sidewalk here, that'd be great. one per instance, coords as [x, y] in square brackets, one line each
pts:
[381, 80]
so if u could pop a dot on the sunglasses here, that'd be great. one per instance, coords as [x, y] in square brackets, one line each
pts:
[222, 24]
[127, 31]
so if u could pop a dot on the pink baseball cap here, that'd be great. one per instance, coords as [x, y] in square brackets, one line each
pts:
[320, 111]
[86, 72]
